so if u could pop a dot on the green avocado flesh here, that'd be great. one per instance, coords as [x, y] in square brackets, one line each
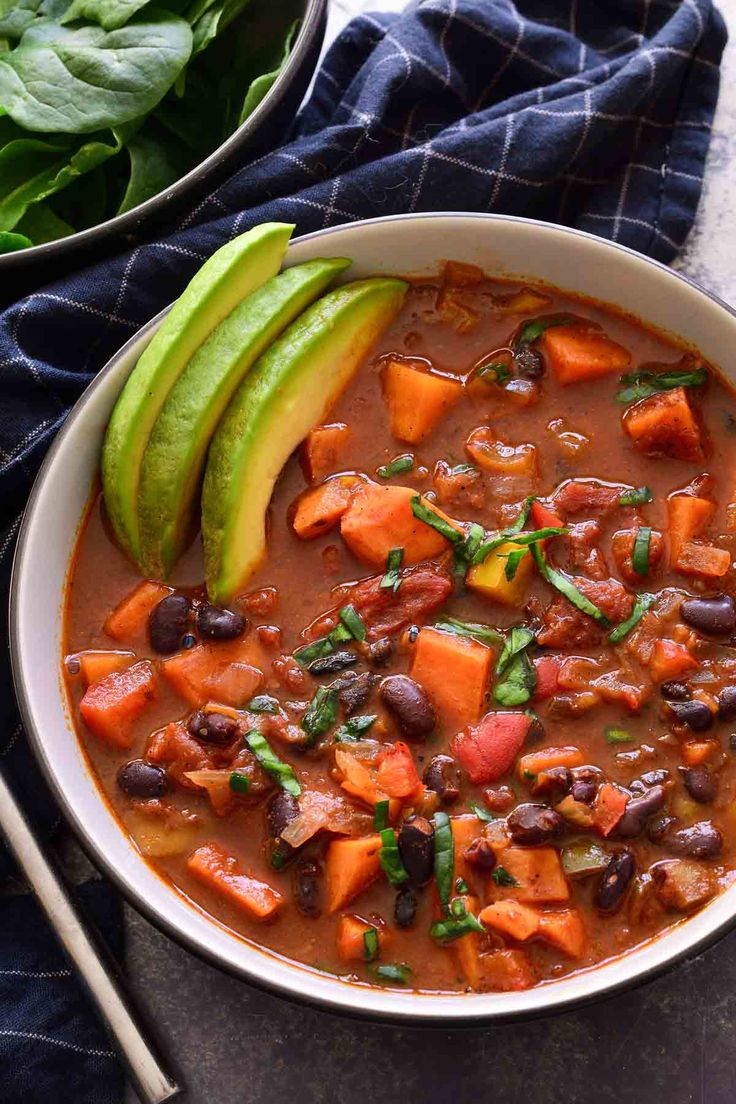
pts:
[171, 472]
[230, 274]
[286, 393]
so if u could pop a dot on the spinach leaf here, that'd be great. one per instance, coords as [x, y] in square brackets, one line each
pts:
[76, 80]
[642, 384]
[41, 224]
[109, 14]
[261, 85]
[157, 160]
[213, 21]
[10, 243]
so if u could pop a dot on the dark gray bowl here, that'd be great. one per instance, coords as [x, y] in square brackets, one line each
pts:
[27, 269]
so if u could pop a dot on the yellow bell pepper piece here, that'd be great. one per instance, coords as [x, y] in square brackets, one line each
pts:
[489, 577]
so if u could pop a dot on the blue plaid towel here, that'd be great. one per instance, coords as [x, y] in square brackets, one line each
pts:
[594, 113]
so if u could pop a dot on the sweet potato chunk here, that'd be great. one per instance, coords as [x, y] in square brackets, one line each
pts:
[129, 619]
[380, 518]
[682, 884]
[507, 971]
[577, 353]
[665, 425]
[687, 517]
[454, 670]
[319, 509]
[321, 449]
[417, 400]
[111, 706]
[494, 455]
[350, 867]
[216, 869]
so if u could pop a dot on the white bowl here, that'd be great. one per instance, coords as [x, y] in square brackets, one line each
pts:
[405, 244]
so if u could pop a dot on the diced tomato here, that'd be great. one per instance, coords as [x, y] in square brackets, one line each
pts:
[507, 971]
[172, 747]
[129, 620]
[111, 706]
[421, 592]
[488, 750]
[544, 517]
[397, 774]
[567, 627]
[670, 660]
[608, 808]
[547, 668]
[586, 496]
[623, 552]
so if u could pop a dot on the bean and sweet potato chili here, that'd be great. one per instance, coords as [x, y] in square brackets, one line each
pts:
[473, 724]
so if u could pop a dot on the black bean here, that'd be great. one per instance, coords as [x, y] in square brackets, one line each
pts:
[584, 790]
[441, 775]
[212, 728]
[357, 692]
[416, 847]
[658, 828]
[331, 664]
[533, 824]
[701, 840]
[587, 773]
[638, 810]
[695, 714]
[713, 616]
[555, 781]
[732, 741]
[699, 783]
[141, 779]
[727, 704]
[409, 704]
[307, 878]
[167, 623]
[219, 624]
[405, 908]
[675, 691]
[529, 363]
[614, 881]
[657, 777]
[282, 809]
[536, 731]
[380, 651]
[480, 853]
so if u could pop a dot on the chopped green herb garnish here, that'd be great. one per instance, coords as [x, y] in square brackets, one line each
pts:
[460, 922]
[263, 703]
[481, 813]
[464, 552]
[518, 638]
[529, 776]
[370, 944]
[423, 512]
[278, 858]
[495, 371]
[353, 622]
[513, 559]
[523, 517]
[392, 579]
[394, 971]
[566, 587]
[271, 763]
[640, 553]
[399, 464]
[534, 329]
[380, 815]
[322, 713]
[463, 469]
[239, 782]
[515, 669]
[461, 886]
[640, 385]
[502, 877]
[636, 497]
[522, 539]
[642, 603]
[486, 634]
[618, 736]
[444, 857]
[354, 728]
[390, 858]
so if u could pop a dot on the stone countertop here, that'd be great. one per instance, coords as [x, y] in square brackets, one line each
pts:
[671, 1040]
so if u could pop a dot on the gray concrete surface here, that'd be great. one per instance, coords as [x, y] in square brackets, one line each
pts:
[672, 1040]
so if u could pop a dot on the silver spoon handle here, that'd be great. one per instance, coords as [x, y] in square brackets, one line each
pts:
[94, 964]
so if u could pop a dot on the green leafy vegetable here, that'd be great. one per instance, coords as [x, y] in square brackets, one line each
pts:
[637, 496]
[394, 971]
[380, 815]
[322, 713]
[522, 539]
[263, 703]
[495, 371]
[618, 736]
[640, 553]
[390, 858]
[486, 634]
[239, 782]
[277, 768]
[426, 514]
[398, 465]
[515, 669]
[109, 14]
[459, 923]
[640, 385]
[534, 329]
[513, 559]
[565, 586]
[642, 603]
[444, 857]
[392, 579]
[481, 813]
[502, 877]
[350, 627]
[370, 944]
[354, 728]
[353, 622]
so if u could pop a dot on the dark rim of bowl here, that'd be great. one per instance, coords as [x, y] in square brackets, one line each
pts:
[310, 32]
[162, 923]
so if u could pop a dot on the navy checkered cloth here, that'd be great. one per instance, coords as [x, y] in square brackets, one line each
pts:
[593, 113]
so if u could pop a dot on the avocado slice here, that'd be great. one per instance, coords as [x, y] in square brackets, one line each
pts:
[174, 460]
[227, 277]
[286, 393]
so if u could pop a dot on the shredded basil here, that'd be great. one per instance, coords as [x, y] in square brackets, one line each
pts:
[394, 971]
[354, 728]
[534, 329]
[513, 559]
[512, 536]
[350, 627]
[392, 579]
[502, 877]
[390, 858]
[380, 815]
[495, 371]
[464, 552]
[322, 713]
[444, 857]
[353, 622]
[399, 464]
[640, 553]
[642, 603]
[637, 496]
[423, 512]
[515, 668]
[463, 469]
[481, 813]
[370, 944]
[459, 923]
[642, 384]
[239, 782]
[617, 736]
[262, 703]
[486, 634]
[461, 886]
[271, 763]
[566, 587]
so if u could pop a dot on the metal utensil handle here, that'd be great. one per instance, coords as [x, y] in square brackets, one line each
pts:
[95, 964]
